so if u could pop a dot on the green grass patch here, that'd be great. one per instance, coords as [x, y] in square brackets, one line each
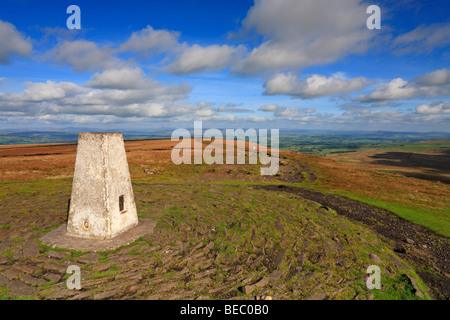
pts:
[437, 221]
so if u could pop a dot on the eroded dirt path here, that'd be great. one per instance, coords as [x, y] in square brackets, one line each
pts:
[425, 249]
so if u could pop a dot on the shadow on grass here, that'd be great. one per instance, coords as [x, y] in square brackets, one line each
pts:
[433, 164]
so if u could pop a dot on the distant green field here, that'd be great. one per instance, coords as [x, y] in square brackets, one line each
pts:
[326, 145]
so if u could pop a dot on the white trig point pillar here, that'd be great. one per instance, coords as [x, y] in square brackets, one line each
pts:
[102, 212]
[102, 202]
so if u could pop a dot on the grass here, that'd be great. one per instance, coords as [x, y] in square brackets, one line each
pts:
[4, 294]
[423, 202]
[248, 216]
[102, 274]
[186, 195]
[434, 217]
[395, 288]
[437, 220]
[46, 285]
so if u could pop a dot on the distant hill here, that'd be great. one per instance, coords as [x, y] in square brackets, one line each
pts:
[33, 137]
[290, 137]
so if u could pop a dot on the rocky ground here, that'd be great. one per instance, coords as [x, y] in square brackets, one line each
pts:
[427, 251]
[212, 241]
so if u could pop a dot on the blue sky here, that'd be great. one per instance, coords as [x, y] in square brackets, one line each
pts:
[297, 64]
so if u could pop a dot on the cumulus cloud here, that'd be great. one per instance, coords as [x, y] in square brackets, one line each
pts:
[233, 108]
[291, 113]
[268, 107]
[393, 90]
[148, 42]
[357, 116]
[150, 91]
[133, 80]
[439, 77]
[434, 108]
[197, 59]
[124, 78]
[423, 39]
[301, 33]
[424, 119]
[60, 34]
[257, 119]
[49, 90]
[232, 105]
[12, 42]
[130, 85]
[370, 117]
[313, 87]
[83, 55]
[431, 85]
[104, 94]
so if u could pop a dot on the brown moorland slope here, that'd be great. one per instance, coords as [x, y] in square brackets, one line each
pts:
[424, 161]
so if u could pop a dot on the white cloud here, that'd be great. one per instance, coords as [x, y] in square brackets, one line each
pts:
[313, 87]
[149, 41]
[292, 113]
[122, 79]
[368, 118]
[355, 116]
[128, 85]
[197, 58]
[268, 107]
[125, 78]
[257, 119]
[434, 108]
[233, 105]
[38, 96]
[12, 42]
[423, 39]
[110, 97]
[60, 34]
[184, 58]
[393, 90]
[301, 33]
[439, 77]
[83, 55]
[232, 109]
[49, 90]
[433, 84]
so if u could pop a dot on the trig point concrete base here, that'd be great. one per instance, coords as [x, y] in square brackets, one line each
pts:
[59, 238]
[102, 212]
